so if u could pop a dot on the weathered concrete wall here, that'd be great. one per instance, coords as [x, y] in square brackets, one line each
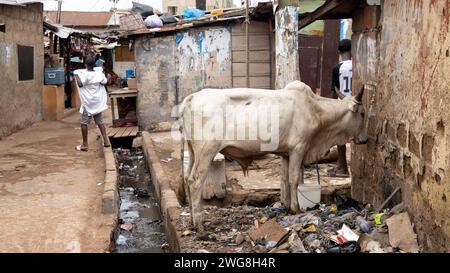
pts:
[20, 101]
[156, 80]
[172, 67]
[203, 59]
[408, 62]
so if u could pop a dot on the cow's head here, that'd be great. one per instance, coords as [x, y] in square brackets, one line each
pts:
[355, 118]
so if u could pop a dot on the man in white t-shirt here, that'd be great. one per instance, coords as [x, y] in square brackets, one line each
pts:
[91, 89]
[342, 87]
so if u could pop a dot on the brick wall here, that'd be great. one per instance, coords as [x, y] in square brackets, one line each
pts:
[20, 101]
[407, 61]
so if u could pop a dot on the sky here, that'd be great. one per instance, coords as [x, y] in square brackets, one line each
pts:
[101, 5]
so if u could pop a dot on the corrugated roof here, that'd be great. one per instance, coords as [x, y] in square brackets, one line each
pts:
[81, 19]
[60, 31]
[19, 2]
[261, 10]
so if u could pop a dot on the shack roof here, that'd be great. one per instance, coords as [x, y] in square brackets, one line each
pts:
[81, 19]
[60, 31]
[262, 10]
[332, 9]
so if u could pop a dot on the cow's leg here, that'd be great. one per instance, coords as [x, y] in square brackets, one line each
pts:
[202, 162]
[188, 174]
[285, 189]
[295, 173]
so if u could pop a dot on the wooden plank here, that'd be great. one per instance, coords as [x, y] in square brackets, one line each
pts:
[261, 56]
[257, 42]
[113, 132]
[134, 131]
[254, 27]
[255, 82]
[127, 131]
[120, 132]
[256, 69]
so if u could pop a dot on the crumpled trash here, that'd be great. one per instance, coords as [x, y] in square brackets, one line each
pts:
[141, 193]
[127, 226]
[153, 21]
[270, 244]
[378, 220]
[349, 247]
[344, 202]
[345, 234]
[363, 225]
[192, 13]
[168, 18]
[310, 229]
[310, 238]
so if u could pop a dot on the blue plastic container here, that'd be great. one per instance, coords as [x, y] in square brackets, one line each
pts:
[54, 76]
[129, 73]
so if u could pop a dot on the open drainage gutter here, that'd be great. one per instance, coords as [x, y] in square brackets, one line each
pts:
[140, 227]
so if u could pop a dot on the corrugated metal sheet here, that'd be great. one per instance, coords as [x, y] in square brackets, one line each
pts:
[81, 19]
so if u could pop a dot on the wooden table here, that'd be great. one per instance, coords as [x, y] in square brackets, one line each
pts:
[121, 131]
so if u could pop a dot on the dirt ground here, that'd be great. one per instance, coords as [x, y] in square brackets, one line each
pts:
[49, 195]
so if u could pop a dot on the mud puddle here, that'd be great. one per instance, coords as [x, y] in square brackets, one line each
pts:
[140, 226]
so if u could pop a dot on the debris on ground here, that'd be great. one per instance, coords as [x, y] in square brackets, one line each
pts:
[346, 226]
[141, 193]
[127, 226]
[401, 233]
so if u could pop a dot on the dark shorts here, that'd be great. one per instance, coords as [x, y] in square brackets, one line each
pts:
[86, 118]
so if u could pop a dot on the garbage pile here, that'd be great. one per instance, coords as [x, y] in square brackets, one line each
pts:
[346, 226]
[129, 174]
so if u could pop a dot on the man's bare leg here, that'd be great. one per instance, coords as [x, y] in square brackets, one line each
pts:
[342, 160]
[104, 135]
[84, 134]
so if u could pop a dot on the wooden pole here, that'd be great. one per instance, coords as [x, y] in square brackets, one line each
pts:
[286, 43]
[247, 48]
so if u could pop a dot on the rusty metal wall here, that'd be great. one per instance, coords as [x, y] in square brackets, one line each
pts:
[407, 61]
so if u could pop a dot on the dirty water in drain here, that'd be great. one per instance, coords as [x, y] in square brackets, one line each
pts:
[140, 226]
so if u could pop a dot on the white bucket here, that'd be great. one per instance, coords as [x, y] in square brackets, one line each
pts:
[308, 195]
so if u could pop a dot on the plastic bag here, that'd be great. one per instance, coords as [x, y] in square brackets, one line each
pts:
[193, 13]
[168, 18]
[143, 10]
[153, 21]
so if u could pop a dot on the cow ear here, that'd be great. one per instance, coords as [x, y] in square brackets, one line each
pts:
[353, 106]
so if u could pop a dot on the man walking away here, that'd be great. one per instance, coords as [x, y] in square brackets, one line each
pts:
[342, 87]
[93, 99]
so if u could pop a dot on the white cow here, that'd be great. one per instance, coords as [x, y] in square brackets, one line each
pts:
[303, 127]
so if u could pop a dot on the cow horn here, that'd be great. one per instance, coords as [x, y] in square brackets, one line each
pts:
[358, 97]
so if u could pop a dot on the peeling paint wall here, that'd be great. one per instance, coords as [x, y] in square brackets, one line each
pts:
[408, 63]
[170, 68]
[286, 46]
[204, 59]
[20, 101]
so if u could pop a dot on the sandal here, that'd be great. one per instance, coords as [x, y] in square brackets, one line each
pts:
[81, 148]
